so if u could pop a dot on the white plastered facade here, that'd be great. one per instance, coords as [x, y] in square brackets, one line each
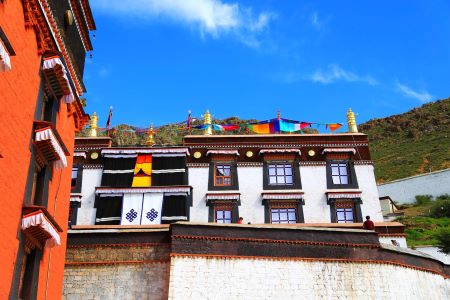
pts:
[314, 186]
[91, 179]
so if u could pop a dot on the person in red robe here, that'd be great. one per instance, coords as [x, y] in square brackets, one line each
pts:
[368, 224]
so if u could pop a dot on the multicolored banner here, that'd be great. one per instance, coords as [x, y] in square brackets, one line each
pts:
[271, 126]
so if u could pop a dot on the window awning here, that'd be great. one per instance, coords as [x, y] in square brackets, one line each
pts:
[79, 154]
[186, 190]
[339, 150]
[49, 147]
[40, 228]
[223, 196]
[223, 152]
[282, 196]
[295, 151]
[5, 62]
[344, 194]
[154, 151]
[56, 75]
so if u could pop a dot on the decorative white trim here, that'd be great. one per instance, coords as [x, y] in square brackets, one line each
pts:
[168, 171]
[219, 151]
[169, 155]
[47, 134]
[5, 61]
[146, 151]
[278, 150]
[78, 26]
[312, 163]
[75, 197]
[80, 154]
[249, 164]
[175, 194]
[343, 194]
[223, 196]
[282, 196]
[111, 195]
[197, 165]
[93, 166]
[117, 171]
[51, 63]
[294, 145]
[176, 189]
[339, 150]
[97, 220]
[120, 155]
[363, 162]
[184, 218]
[39, 219]
[62, 46]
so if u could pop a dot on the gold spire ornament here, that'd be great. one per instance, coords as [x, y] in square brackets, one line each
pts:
[351, 120]
[150, 141]
[207, 121]
[93, 126]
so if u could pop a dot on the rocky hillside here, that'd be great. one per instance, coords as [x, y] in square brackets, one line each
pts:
[411, 143]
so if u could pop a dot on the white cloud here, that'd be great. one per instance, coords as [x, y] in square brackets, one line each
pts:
[316, 23]
[211, 17]
[335, 73]
[423, 96]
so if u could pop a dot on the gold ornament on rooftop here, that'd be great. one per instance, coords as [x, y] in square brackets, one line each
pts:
[150, 141]
[93, 126]
[352, 128]
[207, 121]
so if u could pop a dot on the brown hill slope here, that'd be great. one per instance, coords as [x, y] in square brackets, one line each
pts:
[411, 143]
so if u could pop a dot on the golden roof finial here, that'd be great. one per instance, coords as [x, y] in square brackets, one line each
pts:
[93, 126]
[207, 121]
[150, 141]
[351, 120]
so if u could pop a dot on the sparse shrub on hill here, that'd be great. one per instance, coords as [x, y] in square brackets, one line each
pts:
[423, 199]
[442, 207]
[443, 240]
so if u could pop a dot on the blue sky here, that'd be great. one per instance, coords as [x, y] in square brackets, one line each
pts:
[312, 60]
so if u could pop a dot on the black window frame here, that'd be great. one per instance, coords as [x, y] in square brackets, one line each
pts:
[352, 179]
[233, 204]
[358, 218]
[79, 180]
[282, 203]
[234, 176]
[297, 184]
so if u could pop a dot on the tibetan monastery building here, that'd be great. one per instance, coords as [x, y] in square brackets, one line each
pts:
[166, 222]
[43, 44]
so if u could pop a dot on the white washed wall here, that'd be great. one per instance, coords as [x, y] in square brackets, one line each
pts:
[370, 199]
[198, 179]
[405, 190]
[314, 185]
[211, 278]
[91, 179]
[251, 187]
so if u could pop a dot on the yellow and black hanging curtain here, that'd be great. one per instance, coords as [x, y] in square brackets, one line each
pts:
[143, 171]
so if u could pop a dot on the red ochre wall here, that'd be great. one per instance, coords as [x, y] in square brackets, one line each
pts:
[18, 100]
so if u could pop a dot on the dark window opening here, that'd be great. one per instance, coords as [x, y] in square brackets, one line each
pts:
[74, 177]
[37, 192]
[283, 215]
[223, 215]
[280, 174]
[222, 175]
[26, 275]
[340, 173]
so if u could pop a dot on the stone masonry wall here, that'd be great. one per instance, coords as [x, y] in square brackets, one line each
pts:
[196, 277]
[117, 272]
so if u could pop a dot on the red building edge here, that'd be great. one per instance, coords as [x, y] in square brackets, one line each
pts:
[43, 44]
